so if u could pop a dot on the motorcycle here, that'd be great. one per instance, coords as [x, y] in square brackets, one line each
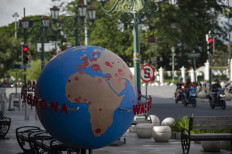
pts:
[219, 99]
[180, 95]
[191, 99]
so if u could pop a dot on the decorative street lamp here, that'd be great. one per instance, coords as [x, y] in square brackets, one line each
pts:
[81, 14]
[82, 10]
[25, 23]
[45, 21]
[55, 12]
[45, 25]
[173, 62]
[56, 24]
[92, 13]
[134, 12]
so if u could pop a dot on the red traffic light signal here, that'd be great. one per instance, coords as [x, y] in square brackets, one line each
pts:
[25, 54]
[210, 40]
[25, 48]
[210, 45]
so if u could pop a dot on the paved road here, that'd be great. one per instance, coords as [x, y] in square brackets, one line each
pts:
[163, 105]
[166, 107]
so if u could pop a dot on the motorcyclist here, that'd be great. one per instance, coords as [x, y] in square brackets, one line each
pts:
[188, 85]
[179, 86]
[215, 87]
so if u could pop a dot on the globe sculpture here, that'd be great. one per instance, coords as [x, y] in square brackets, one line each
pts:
[86, 96]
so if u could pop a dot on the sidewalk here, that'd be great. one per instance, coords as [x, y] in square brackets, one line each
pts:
[134, 145]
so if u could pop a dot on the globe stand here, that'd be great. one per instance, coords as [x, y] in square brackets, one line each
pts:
[83, 151]
[119, 142]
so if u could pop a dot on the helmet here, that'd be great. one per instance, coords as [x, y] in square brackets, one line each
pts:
[216, 80]
[180, 79]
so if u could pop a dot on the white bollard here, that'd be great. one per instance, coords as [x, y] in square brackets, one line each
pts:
[161, 73]
[183, 73]
[206, 73]
[191, 74]
[26, 111]
[3, 101]
[11, 101]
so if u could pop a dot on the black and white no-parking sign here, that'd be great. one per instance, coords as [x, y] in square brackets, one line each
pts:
[147, 73]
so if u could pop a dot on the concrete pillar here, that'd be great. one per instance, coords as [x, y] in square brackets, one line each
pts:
[161, 73]
[3, 101]
[183, 73]
[11, 103]
[191, 74]
[206, 73]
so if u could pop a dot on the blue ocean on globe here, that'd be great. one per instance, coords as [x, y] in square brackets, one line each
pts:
[94, 91]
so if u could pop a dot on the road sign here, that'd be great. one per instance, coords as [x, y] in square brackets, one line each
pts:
[19, 66]
[147, 73]
[194, 55]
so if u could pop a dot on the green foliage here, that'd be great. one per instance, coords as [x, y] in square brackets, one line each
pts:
[34, 71]
[9, 52]
[179, 124]
[184, 26]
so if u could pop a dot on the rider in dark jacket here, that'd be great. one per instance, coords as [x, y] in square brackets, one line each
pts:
[215, 86]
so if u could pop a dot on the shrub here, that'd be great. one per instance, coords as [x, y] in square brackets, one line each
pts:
[179, 124]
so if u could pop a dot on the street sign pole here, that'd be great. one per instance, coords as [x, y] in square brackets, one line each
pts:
[147, 74]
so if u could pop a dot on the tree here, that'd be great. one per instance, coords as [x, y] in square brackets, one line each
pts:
[184, 26]
[9, 52]
[34, 71]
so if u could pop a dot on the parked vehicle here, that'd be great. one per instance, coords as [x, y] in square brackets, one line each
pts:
[180, 95]
[217, 99]
[191, 99]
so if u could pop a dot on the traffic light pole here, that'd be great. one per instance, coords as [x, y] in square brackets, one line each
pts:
[25, 41]
[25, 72]
[210, 48]
[210, 71]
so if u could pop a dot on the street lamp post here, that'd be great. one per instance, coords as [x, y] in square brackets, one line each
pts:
[173, 62]
[15, 15]
[45, 25]
[210, 49]
[25, 24]
[136, 12]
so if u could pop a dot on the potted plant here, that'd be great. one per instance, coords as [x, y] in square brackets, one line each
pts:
[178, 125]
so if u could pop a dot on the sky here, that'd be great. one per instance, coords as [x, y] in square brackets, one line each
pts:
[33, 7]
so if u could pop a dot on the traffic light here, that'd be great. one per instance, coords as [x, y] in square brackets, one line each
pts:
[25, 54]
[210, 45]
